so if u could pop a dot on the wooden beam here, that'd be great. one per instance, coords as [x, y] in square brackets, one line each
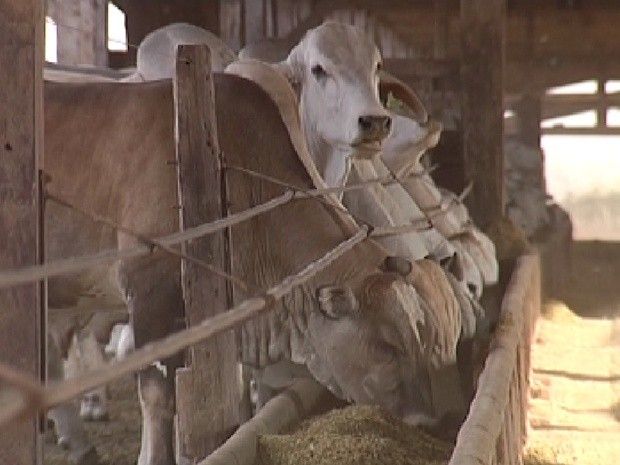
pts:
[442, 29]
[529, 113]
[231, 25]
[554, 106]
[601, 108]
[208, 391]
[482, 73]
[254, 21]
[21, 125]
[82, 33]
[594, 131]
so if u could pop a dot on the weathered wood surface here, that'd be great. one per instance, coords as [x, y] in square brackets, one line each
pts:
[496, 427]
[21, 70]
[144, 16]
[82, 31]
[482, 72]
[208, 389]
[231, 30]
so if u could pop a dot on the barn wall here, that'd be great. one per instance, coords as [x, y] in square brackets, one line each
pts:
[21, 102]
[144, 16]
[82, 31]
[250, 21]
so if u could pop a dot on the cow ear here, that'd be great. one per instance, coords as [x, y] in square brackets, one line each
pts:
[292, 67]
[338, 302]
[398, 265]
[391, 84]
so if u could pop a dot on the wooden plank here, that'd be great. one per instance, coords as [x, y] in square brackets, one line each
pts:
[442, 29]
[21, 314]
[482, 72]
[231, 24]
[564, 131]
[479, 442]
[208, 389]
[254, 21]
[82, 33]
[529, 112]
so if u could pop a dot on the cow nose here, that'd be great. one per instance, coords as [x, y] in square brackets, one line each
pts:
[375, 125]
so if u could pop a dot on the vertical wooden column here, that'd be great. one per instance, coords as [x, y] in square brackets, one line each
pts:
[21, 86]
[442, 28]
[529, 113]
[82, 31]
[482, 73]
[231, 25]
[208, 390]
[601, 109]
[254, 21]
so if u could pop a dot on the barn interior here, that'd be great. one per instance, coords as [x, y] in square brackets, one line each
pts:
[528, 96]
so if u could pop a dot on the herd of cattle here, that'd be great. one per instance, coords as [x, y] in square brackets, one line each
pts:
[379, 326]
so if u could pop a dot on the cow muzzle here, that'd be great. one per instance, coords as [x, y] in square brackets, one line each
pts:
[374, 128]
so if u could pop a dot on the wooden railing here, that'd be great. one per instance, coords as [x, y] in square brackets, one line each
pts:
[496, 427]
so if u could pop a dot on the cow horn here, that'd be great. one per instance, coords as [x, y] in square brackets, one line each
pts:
[398, 265]
[337, 301]
[389, 83]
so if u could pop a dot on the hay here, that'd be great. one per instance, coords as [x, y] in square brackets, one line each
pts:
[509, 240]
[557, 311]
[541, 455]
[356, 435]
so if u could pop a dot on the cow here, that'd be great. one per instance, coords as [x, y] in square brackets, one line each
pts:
[335, 149]
[156, 55]
[118, 167]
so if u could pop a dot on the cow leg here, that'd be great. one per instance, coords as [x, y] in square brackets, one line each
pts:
[156, 392]
[69, 429]
[85, 354]
[152, 290]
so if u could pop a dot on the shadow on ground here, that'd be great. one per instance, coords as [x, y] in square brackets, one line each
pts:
[593, 289]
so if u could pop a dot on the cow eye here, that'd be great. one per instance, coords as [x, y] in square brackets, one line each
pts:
[318, 72]
[379, 66]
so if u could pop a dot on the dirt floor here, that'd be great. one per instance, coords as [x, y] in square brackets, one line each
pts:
[117, 440]
[575, 405]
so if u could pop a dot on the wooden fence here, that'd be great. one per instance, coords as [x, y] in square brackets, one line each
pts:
[496, 427]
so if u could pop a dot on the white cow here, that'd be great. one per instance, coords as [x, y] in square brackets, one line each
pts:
[318, 70]
[156, 56]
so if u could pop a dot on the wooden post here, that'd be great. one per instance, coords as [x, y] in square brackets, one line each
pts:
[601, 108]
[442, 29]
[529, 113]
[82, 31]
[254, 21]
[482, 72]
[21, 104]
[208, 389]
[231, 25]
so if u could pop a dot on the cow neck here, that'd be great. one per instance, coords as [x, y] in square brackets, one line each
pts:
[332, 162]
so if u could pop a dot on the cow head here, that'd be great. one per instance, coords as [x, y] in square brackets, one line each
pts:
[367, 346]
[336, 68]
[337, 71]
